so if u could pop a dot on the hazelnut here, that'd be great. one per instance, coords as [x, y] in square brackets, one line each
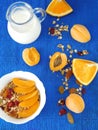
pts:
[80, 33]
[75, 103]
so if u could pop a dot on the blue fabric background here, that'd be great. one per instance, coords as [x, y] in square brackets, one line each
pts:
[86, 13]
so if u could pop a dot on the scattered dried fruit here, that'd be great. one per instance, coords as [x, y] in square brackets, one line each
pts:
[61, 89]
[72, 90]
[57, 30]
[52, 31]
[62, 112]
[81, 53]
[83, 91]
[70, 118]
[68, 74]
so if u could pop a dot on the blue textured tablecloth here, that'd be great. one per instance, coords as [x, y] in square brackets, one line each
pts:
[86, 13]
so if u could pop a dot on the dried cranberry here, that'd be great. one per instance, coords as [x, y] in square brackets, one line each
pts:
[83, 91]
[62, 112]
[52, 31]
[16, 102]
[10, 93]
[10, 104]
[9, 96]
[11, 90]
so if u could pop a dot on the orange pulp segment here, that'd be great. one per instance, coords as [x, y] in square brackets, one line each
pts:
[84, 70]
[58, 8]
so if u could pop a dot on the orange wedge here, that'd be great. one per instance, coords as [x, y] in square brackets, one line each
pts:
[59, 8]
[29, 102]
[23, 83]
[30, 111]
[27, 90]
[84, 70]
[28, 96]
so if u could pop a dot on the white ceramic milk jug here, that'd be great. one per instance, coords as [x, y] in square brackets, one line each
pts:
[24, 23]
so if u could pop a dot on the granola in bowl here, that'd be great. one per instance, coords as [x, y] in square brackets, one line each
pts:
[22, 97]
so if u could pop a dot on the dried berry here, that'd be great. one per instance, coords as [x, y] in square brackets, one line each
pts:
[83, 91]
[68, 74]
[62, 112]
[16, 103]
[52, 31]
[9, 93]
[10, 104]
[61, 89]
[72, 90]
[70, 118]
[61, 102]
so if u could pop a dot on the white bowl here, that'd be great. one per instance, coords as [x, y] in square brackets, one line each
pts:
[26, 75]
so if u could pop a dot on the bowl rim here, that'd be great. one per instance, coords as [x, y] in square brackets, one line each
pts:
[26, 75]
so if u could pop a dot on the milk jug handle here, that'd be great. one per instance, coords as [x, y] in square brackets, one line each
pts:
[40, 13]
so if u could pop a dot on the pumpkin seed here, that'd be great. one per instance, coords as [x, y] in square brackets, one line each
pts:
[57, 61]
[70, 118]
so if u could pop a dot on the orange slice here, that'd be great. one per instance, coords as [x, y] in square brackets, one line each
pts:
[28, 96]
[84, 70]
[23, 83]
[58, 8]
[27, 90]
[29, 102]
[30, 111]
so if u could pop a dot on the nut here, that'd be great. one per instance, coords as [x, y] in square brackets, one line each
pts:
[80, 33]
[75, 103]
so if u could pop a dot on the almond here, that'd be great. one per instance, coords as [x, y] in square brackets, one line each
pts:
[80, 33]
